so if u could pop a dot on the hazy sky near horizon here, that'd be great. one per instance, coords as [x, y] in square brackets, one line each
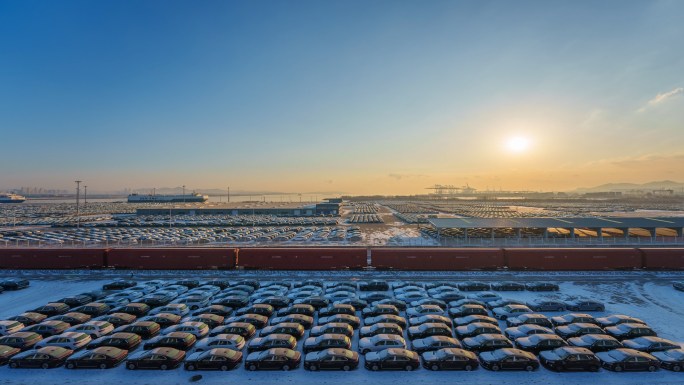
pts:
[348, 96]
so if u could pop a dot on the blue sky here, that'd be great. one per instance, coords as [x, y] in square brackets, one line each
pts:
[349, 96]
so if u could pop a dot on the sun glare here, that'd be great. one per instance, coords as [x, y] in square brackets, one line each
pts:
[518, 144]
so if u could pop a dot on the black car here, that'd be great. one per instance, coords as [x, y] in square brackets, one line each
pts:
[433, 343]
[215, 359]
[629, 330]
[116, 319]
[14, 284]
[337, 309]
[44, 358]
[569, 358]
[317, 302]
[292, 328]
[332, 328]
[273, 359]
[156, 300]
[223, 311]
[473, 286]
[374, 285]
[530, 319]
[72, 318]
[508, 286]
[678, 285]
[124, 341]
[401, 305]
[542, 286]
[332, 359]
[28, 318]
[135, 308]
[52, 309]
[234, 301]
[475, 328]
[376, 310]
[567, 319]
[159, 358]
[118, 285]
[650, 344]
[448, 296]
[263, 309]
[578, 329]
[326, 341]
[509, 359]
[671, 359]
[177, 340]
[189, 283]
[433, 318]
[462, 321]
[163, 319]
[539, 342]
[619, 360]
[272, 341]
[359, 303]
[99, 358]
[486, 342]
[450, 359]
[244, 329]
[429, 329]
[299, 308]
[546, 305]
[596, 342]
[76, 300]
[278, 302]
[392, 358]
[257, 320]
[617, 319]
[585, 305]
[6, 352]
[466, 310]
[526, 331]
[306, 321]
[145, 329]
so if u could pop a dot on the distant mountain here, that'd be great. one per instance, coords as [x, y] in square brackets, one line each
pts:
[660, 185]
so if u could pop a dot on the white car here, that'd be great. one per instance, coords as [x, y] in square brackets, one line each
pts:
[509, 311]
[179, 309]
[229, 341]
[381, 342]
[9, 327]
[67, 340]
[198, 329]
[95, 329]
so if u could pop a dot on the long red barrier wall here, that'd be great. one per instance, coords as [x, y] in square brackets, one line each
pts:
[51, 258]
[573, 259]
[663, 259]
[302, 258]
[441, 259]
[172, 259]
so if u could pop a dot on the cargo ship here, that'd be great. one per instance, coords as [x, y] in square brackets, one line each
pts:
[150, 198]
[11, 198]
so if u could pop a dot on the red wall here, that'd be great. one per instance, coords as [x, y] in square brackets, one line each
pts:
[442, 259]
[51, 258]
[302, 258]
[665, 259]
[172, 259]
[573, 259]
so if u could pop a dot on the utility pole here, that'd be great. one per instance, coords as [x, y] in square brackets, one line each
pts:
[78, 197]
[85, 196]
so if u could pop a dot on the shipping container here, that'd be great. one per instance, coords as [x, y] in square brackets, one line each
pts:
[302, 258]
[573, 259]
[51, 258]
[440, 259]
[172, 258]
[663, 259]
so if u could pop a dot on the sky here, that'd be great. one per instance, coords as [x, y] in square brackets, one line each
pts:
[356, 97]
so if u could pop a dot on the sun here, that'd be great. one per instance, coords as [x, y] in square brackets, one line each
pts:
[518, 144]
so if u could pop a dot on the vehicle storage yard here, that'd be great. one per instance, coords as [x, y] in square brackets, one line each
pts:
[648, 296]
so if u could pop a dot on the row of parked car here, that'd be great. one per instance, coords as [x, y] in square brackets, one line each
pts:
[220, 325]
[13, 284]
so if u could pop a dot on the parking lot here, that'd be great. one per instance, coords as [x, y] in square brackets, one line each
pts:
[648, 296]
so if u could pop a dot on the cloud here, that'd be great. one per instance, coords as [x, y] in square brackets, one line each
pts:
[661, 98]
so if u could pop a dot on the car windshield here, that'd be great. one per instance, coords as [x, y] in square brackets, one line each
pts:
[384, 354]
[562, 353]
[618, 355]
[499, 354]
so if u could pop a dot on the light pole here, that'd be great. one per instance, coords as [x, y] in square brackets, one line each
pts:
[183, 193]
[85, 196]
[78, 197]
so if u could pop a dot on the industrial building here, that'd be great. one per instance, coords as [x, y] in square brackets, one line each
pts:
[288, 209]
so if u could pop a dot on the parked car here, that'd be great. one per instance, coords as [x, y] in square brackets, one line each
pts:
[68, 340]
[627, 331]
[332, 359]
[159, 358]
[508, 286]
[466, 310]
[476, 328]
[28, 318]
[43, 358]
[259, 321]
[568, 358]
[21, 340]
[145, 329]
[538, 342]
[134, 308]
[429, 329]
[163, 319]
[650, 344]
[433, 343]
[272, 341]
[422, 310]
[384, 318]
[485, 296]
[509, 359]
[619, 360]
[178, 340]
[14, 284]
[530, 319]
[326, 341]
[93, 309]
[263, 309]
[359, 303]
[223, 341]
[299, 308]
[392, 359]
[508, 311]
[542, 286]
[8, 327]
[306, 321]
[671, 359]
[374, 285]
[450, 359]
[617, 319]
[119, 284]
[99, 358]
[222, 359]
[47, 328]
[585, 305]
[7, 352]
[526, 331]
[567, 319]
[211, 320]
[376, 310]
[52, 309]
[123, 341]
[273, 359]
[243, 329]
[473, 286]
[292, 328]
[540, 305]
[338, 309]
[223, 311]
[486, 342]
[332, 328]
[179, 309]
[117, 319]
[430, 318]
[595, 342]
[380, 342]
[462, 321]
[578, 329]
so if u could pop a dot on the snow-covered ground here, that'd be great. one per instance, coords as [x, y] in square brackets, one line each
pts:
[648, 296]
